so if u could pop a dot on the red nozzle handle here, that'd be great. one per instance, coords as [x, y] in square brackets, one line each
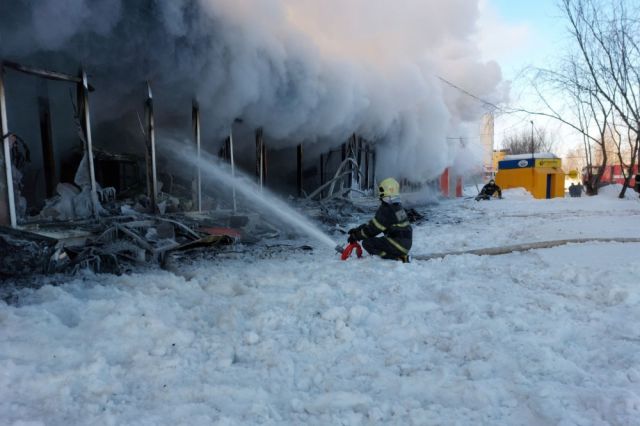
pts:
[349, 249]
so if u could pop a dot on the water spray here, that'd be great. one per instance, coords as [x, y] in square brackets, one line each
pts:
[212, 168]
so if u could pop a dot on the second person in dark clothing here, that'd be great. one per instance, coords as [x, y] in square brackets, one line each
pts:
[391, 220]
[488, 191]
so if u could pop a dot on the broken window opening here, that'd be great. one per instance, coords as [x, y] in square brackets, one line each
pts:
[57, 199]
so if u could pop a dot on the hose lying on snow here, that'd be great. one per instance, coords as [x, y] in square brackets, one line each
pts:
[495, 251]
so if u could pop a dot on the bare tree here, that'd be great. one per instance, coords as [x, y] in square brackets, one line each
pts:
[607, 34]
[525, 142]
[583, 111]
[574, 159]
[599, 84]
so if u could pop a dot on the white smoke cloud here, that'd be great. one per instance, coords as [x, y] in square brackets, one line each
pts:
[304, 70]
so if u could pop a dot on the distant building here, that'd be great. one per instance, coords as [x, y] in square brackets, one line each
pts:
[498, 155]
[613, 173]
[487, 140]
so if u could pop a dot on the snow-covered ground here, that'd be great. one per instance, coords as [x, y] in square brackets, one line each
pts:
[538, 338]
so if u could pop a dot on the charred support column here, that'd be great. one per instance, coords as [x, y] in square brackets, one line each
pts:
[366, 167]
[233, 168]
[86, 127]
[7, 202]
[359, 160]
[152, 174]
[321, 174]
[351, 154]
[197, 193]
[224, 150]
[373, 168]
[46, 136]
[265, 163]
[343, 157]
[299, 174]
[260, 157]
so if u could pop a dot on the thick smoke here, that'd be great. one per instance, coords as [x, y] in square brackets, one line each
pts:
[304, 70]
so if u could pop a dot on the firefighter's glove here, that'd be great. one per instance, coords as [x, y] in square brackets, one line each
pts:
[353, 232]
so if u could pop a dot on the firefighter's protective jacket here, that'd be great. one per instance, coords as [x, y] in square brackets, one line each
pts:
[490, 189]
[390, 219]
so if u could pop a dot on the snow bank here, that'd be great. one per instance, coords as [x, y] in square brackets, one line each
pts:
[613, 191]
[517, 194]
[544, 337]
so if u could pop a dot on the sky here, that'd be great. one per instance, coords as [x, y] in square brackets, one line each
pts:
[520, 32]
[518, 35]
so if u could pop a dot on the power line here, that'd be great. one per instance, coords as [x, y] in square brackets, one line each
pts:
[466, 92]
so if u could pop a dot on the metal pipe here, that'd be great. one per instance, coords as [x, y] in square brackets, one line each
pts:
[50, 75]
[152, 176]
[7, 206]
[86, 116]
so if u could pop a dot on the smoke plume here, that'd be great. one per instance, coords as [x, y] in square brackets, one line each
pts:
[304, 70]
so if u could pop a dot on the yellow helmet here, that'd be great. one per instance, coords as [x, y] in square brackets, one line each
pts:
[388, 188]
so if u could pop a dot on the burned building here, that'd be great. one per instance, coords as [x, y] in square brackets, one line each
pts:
[97, 108]
[61, 191]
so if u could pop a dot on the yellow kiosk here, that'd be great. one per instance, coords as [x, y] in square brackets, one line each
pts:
[541, 174]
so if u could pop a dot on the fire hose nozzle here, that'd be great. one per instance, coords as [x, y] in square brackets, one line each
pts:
[350, 248]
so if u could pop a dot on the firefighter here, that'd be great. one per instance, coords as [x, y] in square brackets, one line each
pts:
[391, 220]
[488, 190]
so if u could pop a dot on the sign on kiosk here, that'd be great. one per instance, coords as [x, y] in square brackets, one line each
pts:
[548, 162]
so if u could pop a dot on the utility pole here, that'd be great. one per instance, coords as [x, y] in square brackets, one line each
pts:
[532, 144]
